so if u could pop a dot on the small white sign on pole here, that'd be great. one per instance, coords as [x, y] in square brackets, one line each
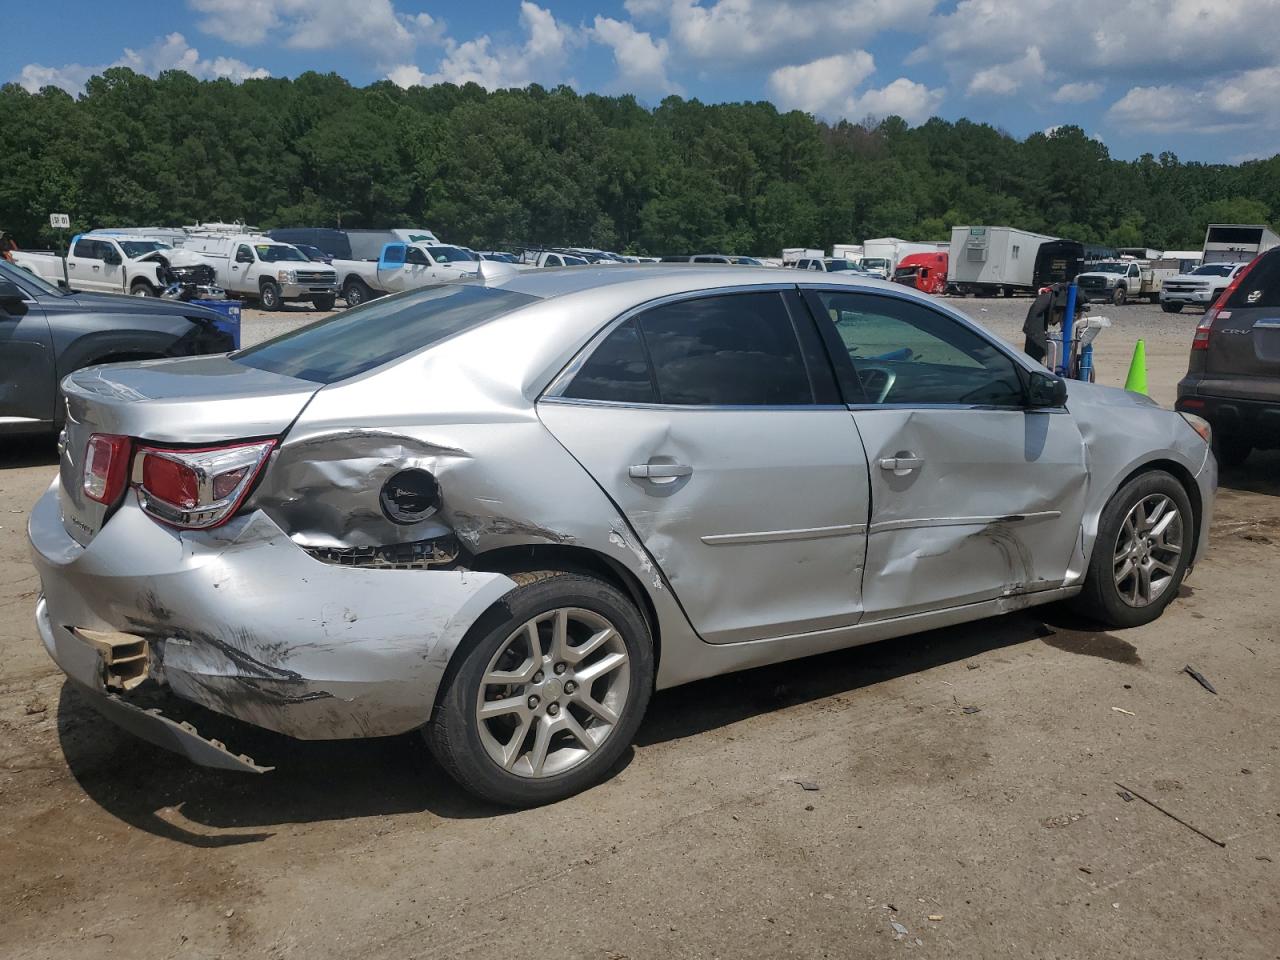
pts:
[60, 221]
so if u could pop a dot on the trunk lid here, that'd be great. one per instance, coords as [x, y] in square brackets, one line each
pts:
[196, 400]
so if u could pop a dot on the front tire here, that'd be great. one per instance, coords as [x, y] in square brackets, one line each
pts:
[269, 295]
[1119, 297]
[324, 303]
[1170, 307]
[142, 289]
[1145, 537]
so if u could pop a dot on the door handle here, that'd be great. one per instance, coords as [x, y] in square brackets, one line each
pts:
[658, 472]
[901, 464]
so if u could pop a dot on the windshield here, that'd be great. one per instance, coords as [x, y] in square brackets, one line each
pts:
[277, 252]
[451, 255]
[874, 263]
[1214, 270]
[137, 248]
[571, 261]
[359, 339]
[747, 261]
[29, 281]
[835, 265]
[500, 257]
[1120, 268]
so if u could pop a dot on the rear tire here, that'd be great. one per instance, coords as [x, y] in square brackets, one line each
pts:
[1170, 307]
[269, 295]
[355, 291]
[1135, 534]
[324, 303]
[1231, 451]
[497, 757]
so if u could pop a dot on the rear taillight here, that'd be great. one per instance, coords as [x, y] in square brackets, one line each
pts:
[197, 489]
[1205, 327]
[106, 467]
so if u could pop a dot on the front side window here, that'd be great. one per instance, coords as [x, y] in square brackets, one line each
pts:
[243, 255]
[415, 256]
[906, 353]
[451, 255]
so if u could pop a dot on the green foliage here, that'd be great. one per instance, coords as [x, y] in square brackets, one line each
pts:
[543, 166]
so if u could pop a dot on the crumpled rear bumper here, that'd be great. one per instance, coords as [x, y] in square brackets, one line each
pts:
[244, 622]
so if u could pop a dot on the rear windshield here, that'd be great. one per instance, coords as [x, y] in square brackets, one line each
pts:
[351, 342]
[1260, 286]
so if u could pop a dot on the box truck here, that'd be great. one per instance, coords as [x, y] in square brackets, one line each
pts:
[1237, 242]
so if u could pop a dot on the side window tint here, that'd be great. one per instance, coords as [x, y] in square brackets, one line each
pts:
[617, 370]
[84, 248]
[907, 353]
[727, 350]
[1261, 286]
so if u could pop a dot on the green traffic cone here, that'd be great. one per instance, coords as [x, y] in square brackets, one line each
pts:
[1137, 378]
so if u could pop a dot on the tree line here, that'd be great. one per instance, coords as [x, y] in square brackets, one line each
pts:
[536, 166]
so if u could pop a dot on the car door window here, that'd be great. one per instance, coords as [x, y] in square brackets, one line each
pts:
[416, 257]
[617, 370]
[902, 352]
[85, 249]
[244, 254]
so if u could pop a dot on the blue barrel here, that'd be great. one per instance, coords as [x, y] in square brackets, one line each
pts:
[229, 316]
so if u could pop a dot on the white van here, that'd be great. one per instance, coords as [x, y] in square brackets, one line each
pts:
[256, 267]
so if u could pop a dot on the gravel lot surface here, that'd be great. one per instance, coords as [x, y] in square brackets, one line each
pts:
[937, 830]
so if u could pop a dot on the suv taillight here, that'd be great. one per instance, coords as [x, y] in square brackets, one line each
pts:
[197, 489]
[1205, 327]
[106, 467]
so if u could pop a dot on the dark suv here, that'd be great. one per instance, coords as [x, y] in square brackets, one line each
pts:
[1233, 380]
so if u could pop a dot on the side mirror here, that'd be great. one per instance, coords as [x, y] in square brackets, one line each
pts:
[1046, 390]
[10, 292]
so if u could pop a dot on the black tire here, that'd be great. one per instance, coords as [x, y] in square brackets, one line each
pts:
[453, 732]
[324, 303]
[1170, 307]
[141, 288]
[1100, 599]
[269, 295]
[1231, 451]
[1119, 296]
[355, 291]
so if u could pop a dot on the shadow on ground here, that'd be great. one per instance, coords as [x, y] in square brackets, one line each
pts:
[37, 451]
[338, 780]
[1259, 474]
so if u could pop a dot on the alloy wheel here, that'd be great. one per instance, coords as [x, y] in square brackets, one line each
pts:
[553, 693]
[1145, 559]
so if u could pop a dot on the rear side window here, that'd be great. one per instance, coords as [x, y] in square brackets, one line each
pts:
[730, 350]
[351, 342]
[1260, 286]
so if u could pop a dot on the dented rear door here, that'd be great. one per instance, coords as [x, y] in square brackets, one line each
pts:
[973, 496]
[716, 435]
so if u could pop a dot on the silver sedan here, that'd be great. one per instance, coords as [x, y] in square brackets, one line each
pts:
[504, 513]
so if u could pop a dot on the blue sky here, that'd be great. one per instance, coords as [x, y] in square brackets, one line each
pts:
[1193, 76]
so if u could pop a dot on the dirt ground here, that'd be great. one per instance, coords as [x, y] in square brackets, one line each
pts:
[967, 803]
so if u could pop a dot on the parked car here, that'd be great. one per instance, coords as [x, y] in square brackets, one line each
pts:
[1199, 288]
[505, 513]
[714, 258]
[406, 266]
[1233, 378]
[550, 258]
[314, 254]
[256, 267]
[829, 265]
[47, 332]
[351, 244]
[99, 264]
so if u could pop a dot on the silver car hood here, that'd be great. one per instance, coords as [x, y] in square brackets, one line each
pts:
[195, 400]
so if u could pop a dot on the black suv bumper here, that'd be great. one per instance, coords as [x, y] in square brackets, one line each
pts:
[1255, 420]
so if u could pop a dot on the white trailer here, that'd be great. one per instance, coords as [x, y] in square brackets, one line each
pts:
[791, 254]
[1237, 242]
[991, 260]
[882, 255]
[846, 251]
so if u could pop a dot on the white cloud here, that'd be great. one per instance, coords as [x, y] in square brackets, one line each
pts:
[828, 87]
[1077, 92]
[1242, 101]
[167, 53]
[737, 32]
[373, 26]
[1006, 78]
[1085, 42]
[641, 60]
[540, 58]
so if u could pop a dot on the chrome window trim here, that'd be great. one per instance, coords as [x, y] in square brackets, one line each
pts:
[561, 381]
[627, 404]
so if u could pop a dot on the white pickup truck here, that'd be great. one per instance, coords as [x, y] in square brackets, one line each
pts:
[100, 264]
[1199, 288]
[256, 267]
[1119, 281]
[405, 266]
